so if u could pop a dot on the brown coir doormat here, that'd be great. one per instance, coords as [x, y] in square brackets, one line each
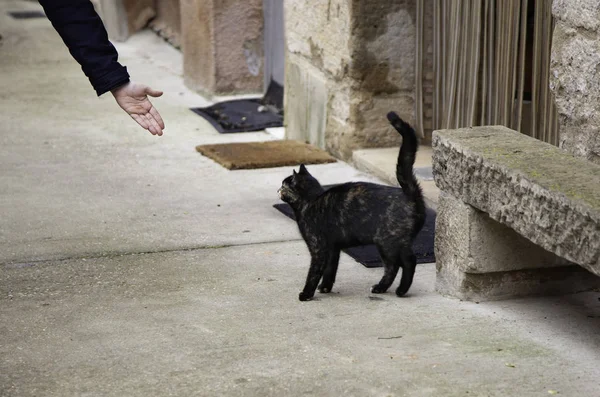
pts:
[251, 155]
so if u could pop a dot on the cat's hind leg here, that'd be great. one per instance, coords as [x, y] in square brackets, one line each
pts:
[330, 272]
[391, 261]
[409, 264]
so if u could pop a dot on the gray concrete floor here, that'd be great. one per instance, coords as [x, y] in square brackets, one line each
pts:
[132, 266]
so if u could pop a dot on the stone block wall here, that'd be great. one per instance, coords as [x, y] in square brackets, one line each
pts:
[223, 45]
[222, 40]
[167, 22]
[575, 78]
[349, 62]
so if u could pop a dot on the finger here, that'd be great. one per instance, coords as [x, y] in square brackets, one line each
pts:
[150, 126]
[154, 128]
[153, 93]
[157, 117]
[153, 124]
[140, 120]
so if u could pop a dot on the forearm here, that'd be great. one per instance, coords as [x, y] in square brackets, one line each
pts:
[83, 32]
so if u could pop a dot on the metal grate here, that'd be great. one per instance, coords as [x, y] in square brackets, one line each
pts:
[27, 14]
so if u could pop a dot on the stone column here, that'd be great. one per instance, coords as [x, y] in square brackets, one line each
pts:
[222, 44]
[575, 78]
[349, 62]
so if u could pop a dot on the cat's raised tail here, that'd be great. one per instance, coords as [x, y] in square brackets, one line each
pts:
[404, 167]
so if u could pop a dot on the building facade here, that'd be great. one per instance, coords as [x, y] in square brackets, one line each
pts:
[531, 65]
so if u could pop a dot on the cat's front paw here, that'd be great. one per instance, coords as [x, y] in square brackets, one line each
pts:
[324, 289]
[377, 289]
[304, 296]
[400, 293]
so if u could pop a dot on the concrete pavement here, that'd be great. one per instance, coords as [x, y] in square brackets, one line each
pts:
[132, 266]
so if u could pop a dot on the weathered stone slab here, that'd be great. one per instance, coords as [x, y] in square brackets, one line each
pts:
[545, 194]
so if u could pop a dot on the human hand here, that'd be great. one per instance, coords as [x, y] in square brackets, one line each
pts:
[133, 98]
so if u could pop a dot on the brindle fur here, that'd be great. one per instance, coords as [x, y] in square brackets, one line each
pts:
[359, 213]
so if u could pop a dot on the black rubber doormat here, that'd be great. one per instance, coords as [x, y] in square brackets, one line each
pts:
[368, 255]
[246, 115]
[27, 14]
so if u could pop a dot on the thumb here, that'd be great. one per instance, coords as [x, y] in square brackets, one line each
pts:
[153, 93]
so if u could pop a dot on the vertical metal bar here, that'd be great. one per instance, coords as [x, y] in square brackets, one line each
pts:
[554, 111]
[444, 61]
[535, 82]
[522, 45]
[498, 62]
[437, 69]
[475, 62]
[484, 74]
[500, 59]
[509, 51]
[514, 58]
[546, 93]
[419, 69]
[452, 58]
[542, 103]
[492, 64]
[507, 13]
[463, 37]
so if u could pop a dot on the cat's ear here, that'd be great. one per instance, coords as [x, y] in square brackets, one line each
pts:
[303, 169]
[294, 172]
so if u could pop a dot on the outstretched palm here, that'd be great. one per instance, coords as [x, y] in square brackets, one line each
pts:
[133, 98]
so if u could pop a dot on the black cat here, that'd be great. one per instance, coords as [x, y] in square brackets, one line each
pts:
[359, 213]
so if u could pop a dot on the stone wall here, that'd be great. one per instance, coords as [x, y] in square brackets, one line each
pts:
[122, 18]
[223, 45]
[348, 63]
[167, 22]
[575, 78]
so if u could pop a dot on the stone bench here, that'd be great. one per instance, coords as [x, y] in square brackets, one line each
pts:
[516, 216]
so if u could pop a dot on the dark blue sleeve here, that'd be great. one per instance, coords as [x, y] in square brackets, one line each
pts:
[82, 30]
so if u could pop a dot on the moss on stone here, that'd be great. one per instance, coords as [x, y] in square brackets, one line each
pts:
[536, 161]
